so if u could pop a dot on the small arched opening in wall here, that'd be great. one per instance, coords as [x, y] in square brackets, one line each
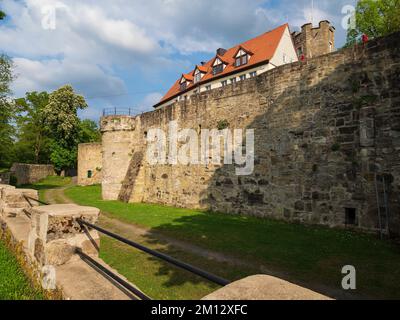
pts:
[351, 217]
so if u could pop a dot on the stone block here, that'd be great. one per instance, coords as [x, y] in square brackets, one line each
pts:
[262, 287]
[55, 233]
[13, 201]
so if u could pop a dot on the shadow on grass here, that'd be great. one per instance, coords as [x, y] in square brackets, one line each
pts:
[312, 257]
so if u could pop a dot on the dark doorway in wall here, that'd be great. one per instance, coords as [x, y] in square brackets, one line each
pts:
[351, 216]
[89, 174]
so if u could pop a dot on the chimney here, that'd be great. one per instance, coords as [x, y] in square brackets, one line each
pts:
[221, 51]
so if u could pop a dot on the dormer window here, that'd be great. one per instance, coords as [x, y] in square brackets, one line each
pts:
[218, 67]
[183, 86]
[242, 57]
[197, 75]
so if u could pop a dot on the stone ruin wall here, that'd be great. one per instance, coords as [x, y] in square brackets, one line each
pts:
[31, 173]
[90, 159]
[324, 129]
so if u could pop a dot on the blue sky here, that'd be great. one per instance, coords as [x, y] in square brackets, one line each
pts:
[127, 53]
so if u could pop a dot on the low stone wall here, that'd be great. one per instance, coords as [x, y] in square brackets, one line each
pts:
[90, 162]
[31, 173]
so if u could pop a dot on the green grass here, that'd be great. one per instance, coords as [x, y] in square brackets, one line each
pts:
[312, 255]
[13, 283]
[3, 170]
[159, 279]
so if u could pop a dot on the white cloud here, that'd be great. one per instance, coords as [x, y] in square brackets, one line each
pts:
[96, 41]
[50, 74]
[149, 101]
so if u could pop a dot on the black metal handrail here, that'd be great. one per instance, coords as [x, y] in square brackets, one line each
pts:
[211, 277]
[118, 112]
[110, 274]
[28, 199]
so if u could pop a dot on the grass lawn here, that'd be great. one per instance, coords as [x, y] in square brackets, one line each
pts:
[13, 283]
[313, 255]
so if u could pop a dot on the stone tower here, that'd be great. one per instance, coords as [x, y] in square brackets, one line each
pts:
[313, 42]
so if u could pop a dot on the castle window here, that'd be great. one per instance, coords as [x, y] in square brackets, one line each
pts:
[89, 174]
[242, 77]
[224, 83]
[233, 80]
[350, 217]
[253, 74]
[299, 51]
[208, 88]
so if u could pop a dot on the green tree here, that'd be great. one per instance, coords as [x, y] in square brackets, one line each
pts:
[6, 112]
[34, 137]
[2, 15]
[89, 131]
[375, 18]
[62, 119]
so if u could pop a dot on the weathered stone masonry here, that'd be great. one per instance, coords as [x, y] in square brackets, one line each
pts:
[324, 130]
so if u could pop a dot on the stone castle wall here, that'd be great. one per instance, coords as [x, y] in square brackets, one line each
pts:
[31, 173]
[90, 163]
[325, 131]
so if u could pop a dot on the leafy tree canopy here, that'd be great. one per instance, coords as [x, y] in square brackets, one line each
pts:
[61, 115]
[34, 137]
[375, 18]
[6, 112]
[89, 131]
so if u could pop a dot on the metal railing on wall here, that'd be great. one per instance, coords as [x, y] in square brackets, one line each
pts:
[118, 112]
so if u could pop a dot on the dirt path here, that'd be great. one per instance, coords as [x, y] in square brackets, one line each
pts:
[56, 196]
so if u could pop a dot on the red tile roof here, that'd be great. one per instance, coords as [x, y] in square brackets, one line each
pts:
[261, 49]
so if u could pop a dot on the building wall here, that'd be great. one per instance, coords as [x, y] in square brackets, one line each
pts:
[285, 49]
[90, 162]
[31, 173]
[324, 130]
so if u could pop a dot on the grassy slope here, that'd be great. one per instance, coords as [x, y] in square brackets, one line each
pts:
[306, 254]
[13, 283]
